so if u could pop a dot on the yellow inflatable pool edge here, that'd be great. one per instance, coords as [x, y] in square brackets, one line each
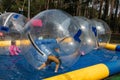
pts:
[18, 42]
[109, 46]
[95, 72]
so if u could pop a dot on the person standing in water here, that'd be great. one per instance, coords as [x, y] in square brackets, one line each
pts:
[13, 49]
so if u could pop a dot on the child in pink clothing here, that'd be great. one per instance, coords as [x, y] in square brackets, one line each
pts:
[13, 49]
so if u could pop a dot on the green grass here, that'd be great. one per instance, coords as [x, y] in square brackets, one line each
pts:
[114, 77]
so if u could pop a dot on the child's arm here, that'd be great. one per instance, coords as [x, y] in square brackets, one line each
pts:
[18, 50]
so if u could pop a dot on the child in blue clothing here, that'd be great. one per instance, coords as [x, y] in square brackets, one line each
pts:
[53, 53]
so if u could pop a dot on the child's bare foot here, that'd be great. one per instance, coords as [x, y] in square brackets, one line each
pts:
[82, 53]
[38, 68]
[55, 71]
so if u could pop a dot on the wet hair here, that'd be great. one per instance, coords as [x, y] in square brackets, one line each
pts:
[13, 42]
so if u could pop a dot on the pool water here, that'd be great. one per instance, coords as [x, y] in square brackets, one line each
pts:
[18, 68]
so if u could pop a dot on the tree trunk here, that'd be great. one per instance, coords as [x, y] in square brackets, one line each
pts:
[47, 4]
[112, 7]
[91, 10]
[78, 8]
[106, 10]
[111, 16]
[100, 10]
[115, 18]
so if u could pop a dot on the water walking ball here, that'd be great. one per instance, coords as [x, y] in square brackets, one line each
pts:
[88, 39]
[103, 31]
[49, 30]
[11, 28]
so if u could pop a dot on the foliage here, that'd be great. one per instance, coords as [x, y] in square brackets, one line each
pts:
[88, 8]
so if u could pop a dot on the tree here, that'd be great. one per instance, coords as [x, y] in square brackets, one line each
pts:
[115, 18]
[100, 10]
[73, 7]
[106, 8]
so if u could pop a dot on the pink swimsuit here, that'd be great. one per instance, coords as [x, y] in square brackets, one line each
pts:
[14, 50]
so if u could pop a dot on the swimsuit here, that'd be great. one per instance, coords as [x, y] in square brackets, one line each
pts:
[14, 50]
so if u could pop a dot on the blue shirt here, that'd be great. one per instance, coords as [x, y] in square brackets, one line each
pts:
[48, 46]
